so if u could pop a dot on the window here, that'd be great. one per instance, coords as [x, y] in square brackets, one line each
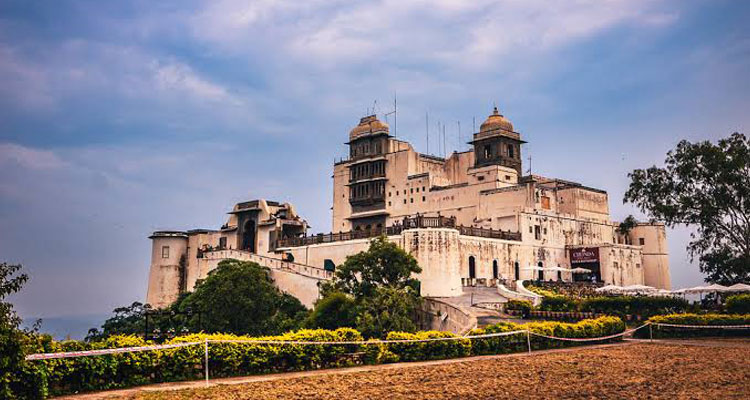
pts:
[510, 151]
[641, 241]
[615, 264]
[222, 242]
[472, 268]
[164, 251]
[495, 272]
[545, 202]
[417, 190]
[480, 178]
[389, 204]
[637, 265]
[397, 193]
[411, 190]
[423, 188]
[404, 201]
[507, 177]
[422, 198]
[411, 200]
[537, 232]
[487, 151]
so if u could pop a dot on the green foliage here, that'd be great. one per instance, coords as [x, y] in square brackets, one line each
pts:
[387, 309]
[627, 225]
[431, 350]
[384, 264]
[384, 296]
[523, 305]
[17, 378]
[128, 320]
[621, 306]
[696, 319]
[74, 375]
[738, 304]
[336, 310]
[559, 303]
[589, 328]
[644, 306]
[706, 186]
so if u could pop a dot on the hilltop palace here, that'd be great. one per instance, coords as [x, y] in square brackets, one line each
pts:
[471, 220]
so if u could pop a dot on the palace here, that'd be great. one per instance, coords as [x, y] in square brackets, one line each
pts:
[471, 220]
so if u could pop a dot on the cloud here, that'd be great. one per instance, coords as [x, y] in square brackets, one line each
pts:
[182, 80]
[30, 158]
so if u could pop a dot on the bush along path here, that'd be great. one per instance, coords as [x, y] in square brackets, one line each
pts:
[231, 355]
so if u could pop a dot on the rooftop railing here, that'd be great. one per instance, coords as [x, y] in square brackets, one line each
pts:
[415, 222]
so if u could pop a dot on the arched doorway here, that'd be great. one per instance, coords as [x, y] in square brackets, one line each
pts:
[248, 236]
[541, 272]
[495, 273]
[472, 268]
[517, 270]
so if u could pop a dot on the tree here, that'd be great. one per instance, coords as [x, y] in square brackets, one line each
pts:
[373, 290]
[17, 379]
[706, 186]
[383, 264]
[335, 310]
[387, 309]
[239, 297]
[129, 320]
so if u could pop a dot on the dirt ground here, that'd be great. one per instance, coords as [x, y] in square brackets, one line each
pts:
[639, 371]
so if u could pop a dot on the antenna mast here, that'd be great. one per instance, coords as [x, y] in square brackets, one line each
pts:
[427, 130]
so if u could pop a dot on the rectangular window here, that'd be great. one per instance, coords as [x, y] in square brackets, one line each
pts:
[164, 251]
[641, 241]
[487, 151]
[404, 201]
[411, 190]
[423, 188]
[422, 198]
[411, 200]
[510, 151]
[222, 242]
[537, 232]
[545, 202]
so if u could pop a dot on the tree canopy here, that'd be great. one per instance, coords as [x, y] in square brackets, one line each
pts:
[373, 291]
[237, 297]
[705, 186]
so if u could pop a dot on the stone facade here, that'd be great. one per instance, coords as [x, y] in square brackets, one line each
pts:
[502, 224]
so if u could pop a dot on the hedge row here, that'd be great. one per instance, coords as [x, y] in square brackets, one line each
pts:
[738, 304]
[644, 306]
[699, 320]
[72, 375]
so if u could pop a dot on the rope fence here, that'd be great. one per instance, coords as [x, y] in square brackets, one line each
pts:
[207, 342]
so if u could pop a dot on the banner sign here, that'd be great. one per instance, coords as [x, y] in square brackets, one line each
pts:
[584, 255]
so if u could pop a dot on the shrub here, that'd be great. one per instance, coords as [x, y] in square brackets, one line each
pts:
[738, 304]
[696, 319]
[523, 305]
[252, 356]
[433, 350]
[644, 306]
[559, 303]
[590, 328]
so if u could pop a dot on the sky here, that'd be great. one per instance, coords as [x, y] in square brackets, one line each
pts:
[120, 118]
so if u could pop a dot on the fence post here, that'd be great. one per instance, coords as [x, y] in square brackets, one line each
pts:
[650, 333]
[528, 339]
[205, 348]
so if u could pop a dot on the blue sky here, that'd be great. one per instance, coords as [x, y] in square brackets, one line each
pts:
[119, 118]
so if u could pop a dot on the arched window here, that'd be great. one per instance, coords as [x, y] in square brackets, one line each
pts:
[472, 268]
[328, 265]
[517, 270]
[495, 273]
[541, 272]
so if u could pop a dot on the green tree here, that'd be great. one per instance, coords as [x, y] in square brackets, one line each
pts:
[387, 309]
[129, 320]
[383, 264]
[706, 186]
[372, 290]
[335, 310]
[17, 378]
[239, 297]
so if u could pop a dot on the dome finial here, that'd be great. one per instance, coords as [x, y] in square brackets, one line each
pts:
[495, 111]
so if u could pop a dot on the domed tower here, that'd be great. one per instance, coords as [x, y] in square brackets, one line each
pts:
[497, 143]
[368, 145]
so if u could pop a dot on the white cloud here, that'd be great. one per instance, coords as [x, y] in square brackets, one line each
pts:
[181, 79]
[30, 158]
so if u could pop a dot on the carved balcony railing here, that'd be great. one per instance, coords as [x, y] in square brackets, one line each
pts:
[415, 222]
